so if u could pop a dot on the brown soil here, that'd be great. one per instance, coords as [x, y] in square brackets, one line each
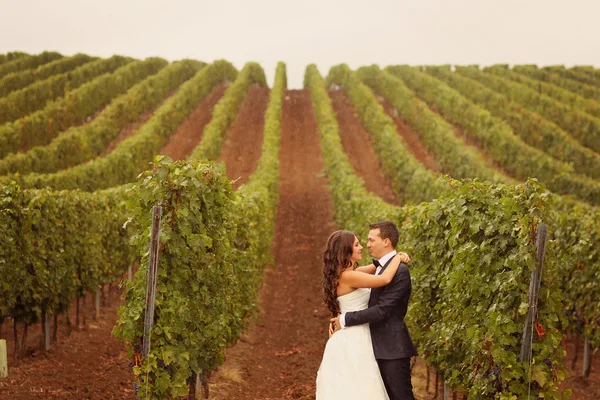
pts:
[132, 128]
[88, 364]
[411, 139]
[583, 388]
[280, 356]
[188, 135]
[358, 146]
[243, 144]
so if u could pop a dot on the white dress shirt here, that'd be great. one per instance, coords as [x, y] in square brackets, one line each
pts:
[382, 261]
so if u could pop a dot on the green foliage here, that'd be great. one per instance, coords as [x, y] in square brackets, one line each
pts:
[354, 206]
[573, 233]
[214, 245]
[583, 127]
[531, 127]
[411, 181]
[497, 138]
[35, 97]
[10, 56]
[587, 91]
[83, 143]
[196, 313]
[56, 245]
[567, 97]
[589, 72]
[438, 136]
[577, 235]
[473, 256]
[20, 79]
[225, 111]
[21, 61]
[472, 253]
[42, 126]
[133, 155]
[574, 74]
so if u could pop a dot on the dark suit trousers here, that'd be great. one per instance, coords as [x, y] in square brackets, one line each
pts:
[396, 377]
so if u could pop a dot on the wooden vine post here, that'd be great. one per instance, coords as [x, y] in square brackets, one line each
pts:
[151, 288]
[3, 359]
[534, 287]
[586, 365]
[97, 303]
[47, 331]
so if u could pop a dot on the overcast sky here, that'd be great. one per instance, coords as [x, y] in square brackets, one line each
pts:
[300, 32]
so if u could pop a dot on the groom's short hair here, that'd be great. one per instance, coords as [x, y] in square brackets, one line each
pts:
[387, 230]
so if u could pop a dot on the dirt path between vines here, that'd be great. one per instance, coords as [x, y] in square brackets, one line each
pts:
[88, 364]
[188, 135]
[280, 356]
[469, 141]
[411, 138]
[243, 144]
[131, 129]
[359, 148]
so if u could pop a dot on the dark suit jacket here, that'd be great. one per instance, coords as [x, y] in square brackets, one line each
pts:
[386, 312]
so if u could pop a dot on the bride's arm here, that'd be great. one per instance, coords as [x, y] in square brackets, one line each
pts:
[357, 279]
[367, 269]
[371, 269]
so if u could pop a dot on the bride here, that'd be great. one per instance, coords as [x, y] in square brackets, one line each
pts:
[348, 369]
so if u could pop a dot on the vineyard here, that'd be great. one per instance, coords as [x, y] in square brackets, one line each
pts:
[471, 163]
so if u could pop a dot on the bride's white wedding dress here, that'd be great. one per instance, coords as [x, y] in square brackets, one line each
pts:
[349, 370]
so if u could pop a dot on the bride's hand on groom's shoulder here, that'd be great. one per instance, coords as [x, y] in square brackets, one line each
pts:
[404, 258]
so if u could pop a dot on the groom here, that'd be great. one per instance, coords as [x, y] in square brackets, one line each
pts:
[392, 344]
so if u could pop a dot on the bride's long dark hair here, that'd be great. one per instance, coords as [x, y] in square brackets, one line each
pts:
[336, 258]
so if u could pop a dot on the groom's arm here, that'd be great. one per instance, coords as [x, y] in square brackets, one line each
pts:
[388, 303]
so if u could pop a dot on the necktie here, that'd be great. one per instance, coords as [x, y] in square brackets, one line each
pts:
[376, 263]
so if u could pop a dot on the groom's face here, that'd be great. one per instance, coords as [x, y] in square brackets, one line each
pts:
[377, 246]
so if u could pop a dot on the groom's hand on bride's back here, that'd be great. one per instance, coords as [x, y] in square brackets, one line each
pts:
[334, 325]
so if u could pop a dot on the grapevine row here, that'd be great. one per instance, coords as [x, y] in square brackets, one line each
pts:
[438, 136]
[497, 138]
[215, 244]
[27, 61]
[11, 56]
[587, 91]
[42, 126]
[567, 97]
[491, 248]
[133, 155]
[533, 129]
[35, 97]
[18, 80]
[582, 126]
[225, 112]
[573, 74]
[57, 246]
[588, 71]
[411, 181]
[576, 232]
[82, 143]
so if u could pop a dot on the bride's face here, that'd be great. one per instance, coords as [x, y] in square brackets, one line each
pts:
[356, 250]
